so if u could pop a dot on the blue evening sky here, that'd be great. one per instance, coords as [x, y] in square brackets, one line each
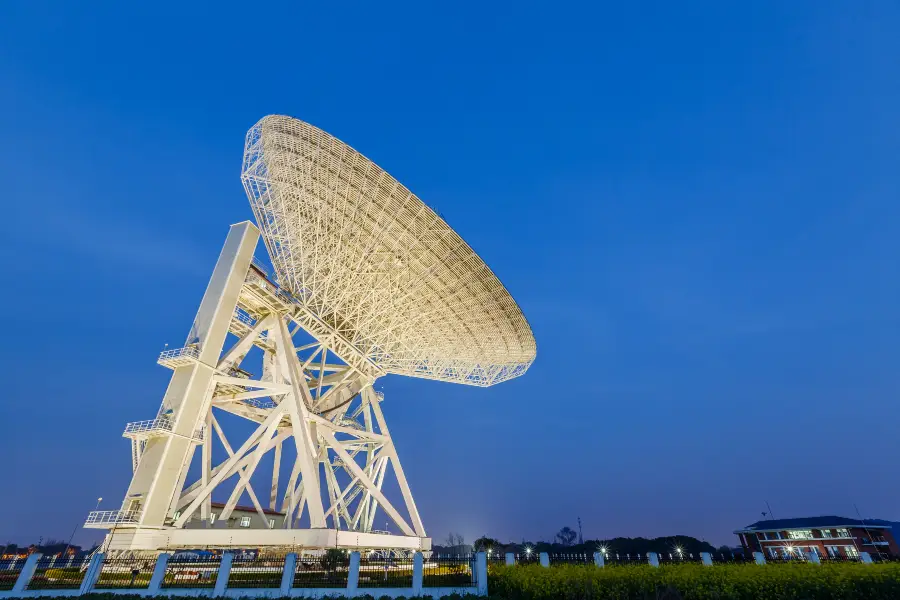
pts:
[694, 203]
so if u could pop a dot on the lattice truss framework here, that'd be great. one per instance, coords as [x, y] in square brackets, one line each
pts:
[375, 265]
[305, 395]
[332, 415]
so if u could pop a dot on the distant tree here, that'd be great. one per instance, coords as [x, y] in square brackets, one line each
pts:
[332, 558]
[566, 536]
[484, 543]
[455, 539]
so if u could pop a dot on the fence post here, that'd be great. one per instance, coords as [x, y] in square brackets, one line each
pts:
[159, 573]
[92, 574]
[481, 573]
[510, 558]
[813, 557]
[224, 573]
[653, 559]
[706, 558]
[865, 557]
[27, 572]
[418, 567]
[760, 558]
[353, 575]
[287, 574]
[599, 560]
[545, 559]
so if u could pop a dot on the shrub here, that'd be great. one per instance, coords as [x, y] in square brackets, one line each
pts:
[844, 581]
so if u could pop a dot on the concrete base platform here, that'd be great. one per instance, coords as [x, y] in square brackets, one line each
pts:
[142, 538]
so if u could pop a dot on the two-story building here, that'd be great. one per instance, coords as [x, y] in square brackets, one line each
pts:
[837, 537]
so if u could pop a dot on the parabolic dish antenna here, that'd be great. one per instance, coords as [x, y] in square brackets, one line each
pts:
[366, 274]
[377, 266]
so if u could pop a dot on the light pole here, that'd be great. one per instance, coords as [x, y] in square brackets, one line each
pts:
[72, 537]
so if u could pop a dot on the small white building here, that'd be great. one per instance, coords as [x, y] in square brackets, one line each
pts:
[242, 517]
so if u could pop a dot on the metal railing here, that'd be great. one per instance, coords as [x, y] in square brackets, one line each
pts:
[111, 517]
[449, 571]
[385, 572]
[244, 317]
[256, 571]
[617, 560]
[126, 573]
[9, 572]
[157, 425]
[571, 559]
[838, 558]
[56, 573]
[179, 355]
[722, 558]
[256, 263]
[330, 570]
[669, 558]
[150, 425]
[192, 572]
[796, 557]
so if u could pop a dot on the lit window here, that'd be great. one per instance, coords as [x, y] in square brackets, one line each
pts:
[800, 534]
[851, 551]
[177, 514]
[271, 523]
[212, 518]
[245, 521]
[843, 533]
[826, 533]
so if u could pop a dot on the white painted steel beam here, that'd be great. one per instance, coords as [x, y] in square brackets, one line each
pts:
[330, 411]
[155, 481]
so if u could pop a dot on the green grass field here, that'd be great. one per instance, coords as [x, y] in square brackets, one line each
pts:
[843, 581]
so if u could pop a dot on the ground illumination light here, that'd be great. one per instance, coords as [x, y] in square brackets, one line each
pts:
[528, 550]
[602, 550]
[678, 549]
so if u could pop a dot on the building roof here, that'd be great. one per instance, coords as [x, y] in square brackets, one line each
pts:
[826, 521]
[251, 509]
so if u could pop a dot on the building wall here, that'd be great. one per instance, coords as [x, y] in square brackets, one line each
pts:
[862, 540]
[238, 517]
[862, 534]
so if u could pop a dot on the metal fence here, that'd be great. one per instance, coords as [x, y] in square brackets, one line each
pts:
[248, 571]
[193, 572]
[619, 560]
[838, 558]
[885, 558]
[56, 573]
[670, 558]
[9, 572]
[789, 559]
[571, 559]
[528, 558]
[385, 572]
[326, 571]
[722, 558]
[449, 571]
[132, 572]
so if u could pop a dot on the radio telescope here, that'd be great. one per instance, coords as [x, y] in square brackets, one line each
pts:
[367, 281]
